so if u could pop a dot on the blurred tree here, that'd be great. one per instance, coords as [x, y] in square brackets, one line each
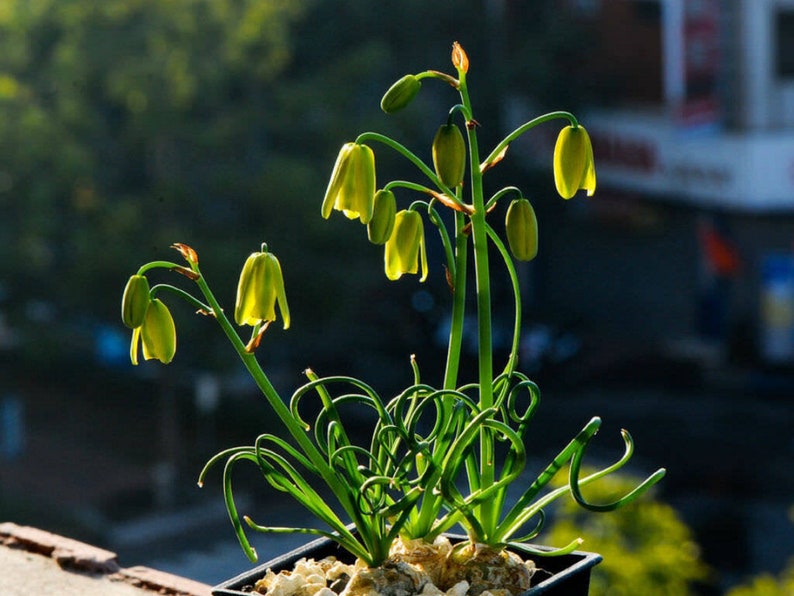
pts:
[128, 123]
[647, 548]
[767, 584]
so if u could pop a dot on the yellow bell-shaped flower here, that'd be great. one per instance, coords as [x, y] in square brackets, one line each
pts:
[405, 248]
[260, 288]
[573, 162]
[157, 333]
[351, 189]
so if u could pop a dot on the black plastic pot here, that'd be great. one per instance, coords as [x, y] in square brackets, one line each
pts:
[565, 575]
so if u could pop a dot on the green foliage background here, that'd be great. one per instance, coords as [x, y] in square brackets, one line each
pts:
[647, 548]
[126, 125]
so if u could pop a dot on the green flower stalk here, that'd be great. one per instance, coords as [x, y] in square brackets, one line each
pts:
[351, 189]
[405, 248]
[259, 290]
[573, 162]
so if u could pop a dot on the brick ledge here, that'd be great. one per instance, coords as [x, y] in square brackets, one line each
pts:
[72, 555]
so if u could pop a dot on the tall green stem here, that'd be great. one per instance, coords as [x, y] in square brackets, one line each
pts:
[458, 304]
[483, 290]
[295, 429]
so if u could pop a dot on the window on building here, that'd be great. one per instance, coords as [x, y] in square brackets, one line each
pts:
[628, 54]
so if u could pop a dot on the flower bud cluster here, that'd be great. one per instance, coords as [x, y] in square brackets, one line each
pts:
[351, 190]
[150, 320]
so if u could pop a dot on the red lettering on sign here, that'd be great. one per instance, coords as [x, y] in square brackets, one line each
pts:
[627, 152]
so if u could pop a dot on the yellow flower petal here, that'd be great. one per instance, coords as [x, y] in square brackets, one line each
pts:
[406, 247]
[158, 333]
[573, 162]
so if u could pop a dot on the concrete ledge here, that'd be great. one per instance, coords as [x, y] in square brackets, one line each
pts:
[35, 562]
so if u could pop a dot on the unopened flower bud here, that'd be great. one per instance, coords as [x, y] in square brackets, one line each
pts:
[351, 189]
[459, 58]
[573, 162]
[400, 94]
[449, 155]
[381, 225]
[260, 288]
[521, 226]
[135, 301]
[406, 246]
[157, 333]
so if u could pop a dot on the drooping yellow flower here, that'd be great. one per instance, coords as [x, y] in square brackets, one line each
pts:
[157, 333]
[260, 288]
[406, 246]
[351, 189]
[135, 301]
[573, 162]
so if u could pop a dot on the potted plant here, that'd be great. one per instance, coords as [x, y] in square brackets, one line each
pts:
[436, 458]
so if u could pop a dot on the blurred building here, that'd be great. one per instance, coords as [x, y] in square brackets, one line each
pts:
[691, 113]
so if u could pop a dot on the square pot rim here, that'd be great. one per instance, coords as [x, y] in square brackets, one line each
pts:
[581, 562]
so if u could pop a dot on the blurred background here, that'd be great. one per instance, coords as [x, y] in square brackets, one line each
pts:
[664, 304]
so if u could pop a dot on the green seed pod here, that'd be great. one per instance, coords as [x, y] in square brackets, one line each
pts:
[260, 288]
[521, 226]
[158, 333]
[135, 301]
[400, 94]
[449, 155]
[381, 225]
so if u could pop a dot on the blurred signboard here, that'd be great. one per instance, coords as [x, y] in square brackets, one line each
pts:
[646, 153]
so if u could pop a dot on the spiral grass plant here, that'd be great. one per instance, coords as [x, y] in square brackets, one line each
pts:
[436, 457]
